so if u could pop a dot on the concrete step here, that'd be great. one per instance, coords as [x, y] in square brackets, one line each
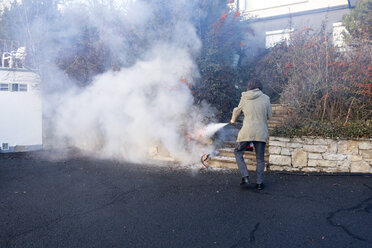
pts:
[229, 152]
[272, 125]
[230, 163]
[226, 159]
[277, 118]
[275, 121]
[280, 107]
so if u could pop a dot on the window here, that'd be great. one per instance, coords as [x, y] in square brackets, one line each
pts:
[4, 87]
[277, 36]
[23, 87]
[15, 87]
[5, 146]
[338, 36]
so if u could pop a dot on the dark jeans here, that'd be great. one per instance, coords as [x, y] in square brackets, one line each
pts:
[259, 147]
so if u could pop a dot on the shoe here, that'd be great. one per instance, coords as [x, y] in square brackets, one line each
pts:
[245, 181]
[259, 186]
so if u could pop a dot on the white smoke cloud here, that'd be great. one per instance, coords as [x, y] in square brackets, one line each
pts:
[125, 114]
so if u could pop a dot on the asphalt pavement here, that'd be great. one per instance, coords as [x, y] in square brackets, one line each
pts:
[84, 202]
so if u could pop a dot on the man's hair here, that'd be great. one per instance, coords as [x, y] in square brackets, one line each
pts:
[254, 84]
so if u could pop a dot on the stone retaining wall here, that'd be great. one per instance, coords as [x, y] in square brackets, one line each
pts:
[309, 154]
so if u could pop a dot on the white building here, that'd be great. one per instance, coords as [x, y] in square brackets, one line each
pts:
[20, 104]
[275, 20]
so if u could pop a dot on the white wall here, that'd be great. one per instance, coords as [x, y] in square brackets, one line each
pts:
[268, 8]
[20, 112]
[265, 29]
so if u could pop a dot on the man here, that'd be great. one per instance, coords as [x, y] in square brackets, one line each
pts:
[257, 110]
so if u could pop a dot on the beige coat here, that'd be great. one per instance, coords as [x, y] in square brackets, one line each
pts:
[257, 110]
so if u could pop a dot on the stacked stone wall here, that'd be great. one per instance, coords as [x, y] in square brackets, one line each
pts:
[310, 154]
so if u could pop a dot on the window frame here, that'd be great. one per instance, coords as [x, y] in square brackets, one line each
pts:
[5, 146]
[15, 87]
[22, 89]
[2, 87]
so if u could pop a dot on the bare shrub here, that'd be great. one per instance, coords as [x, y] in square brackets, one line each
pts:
[319, 81]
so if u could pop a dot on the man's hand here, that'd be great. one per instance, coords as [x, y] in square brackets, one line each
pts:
[232, 122]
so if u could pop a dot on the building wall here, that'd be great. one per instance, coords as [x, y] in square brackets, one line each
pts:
[20, 111]
[257, 42]
[270, 8]
[275, 20]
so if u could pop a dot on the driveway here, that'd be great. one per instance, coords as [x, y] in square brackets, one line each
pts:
[82, 202]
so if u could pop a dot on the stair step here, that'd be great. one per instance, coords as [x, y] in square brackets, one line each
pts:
[230, 163]
[281, 111]
[271, 126]
[229, 152]
[275, 121]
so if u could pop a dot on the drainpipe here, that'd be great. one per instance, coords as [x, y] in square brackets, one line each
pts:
[348, 1]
